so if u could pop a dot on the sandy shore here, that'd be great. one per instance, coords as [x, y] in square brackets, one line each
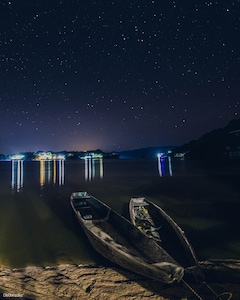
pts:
[74, 282]
[82, 282]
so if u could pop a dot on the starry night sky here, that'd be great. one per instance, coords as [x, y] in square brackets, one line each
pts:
[116, 75]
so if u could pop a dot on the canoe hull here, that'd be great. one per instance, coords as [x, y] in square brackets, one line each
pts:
[118, 240]
[166, 233]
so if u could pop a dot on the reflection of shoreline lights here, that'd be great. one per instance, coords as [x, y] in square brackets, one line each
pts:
[101, 168]
[162, 170]
[61, 172]
[17, 174]
[159, 165]
[90, 167]
[170, 166]
[42, 173]
[50, 170]
[54, 172]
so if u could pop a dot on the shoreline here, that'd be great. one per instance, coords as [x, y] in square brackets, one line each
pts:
[92, 282]
[67, 281]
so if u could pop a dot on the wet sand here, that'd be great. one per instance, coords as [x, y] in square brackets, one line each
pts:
[82, 282]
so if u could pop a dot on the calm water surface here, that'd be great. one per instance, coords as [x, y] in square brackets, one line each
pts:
[37, 225]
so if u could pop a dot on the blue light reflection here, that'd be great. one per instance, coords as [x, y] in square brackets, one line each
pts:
[164, 165]
[17, 175]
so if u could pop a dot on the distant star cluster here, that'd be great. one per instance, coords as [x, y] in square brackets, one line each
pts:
[116, 75]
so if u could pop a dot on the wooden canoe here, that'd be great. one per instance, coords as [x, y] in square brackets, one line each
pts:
[159, 226]
[118, 240]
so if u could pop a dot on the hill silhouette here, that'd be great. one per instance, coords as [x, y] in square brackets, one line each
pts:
[148, 152]
[218, 143]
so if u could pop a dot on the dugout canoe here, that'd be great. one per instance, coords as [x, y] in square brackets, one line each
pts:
[160, 227]
[118, 240]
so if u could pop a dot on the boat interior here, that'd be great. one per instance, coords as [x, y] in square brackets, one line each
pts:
[171, 238]
[88, 211]
[117, 230]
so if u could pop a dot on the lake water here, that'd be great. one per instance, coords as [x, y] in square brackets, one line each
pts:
[37, 225]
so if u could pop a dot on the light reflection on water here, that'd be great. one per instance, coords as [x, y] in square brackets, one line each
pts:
[93, 167]
[164, 166]
[17, 175]
[52, 172]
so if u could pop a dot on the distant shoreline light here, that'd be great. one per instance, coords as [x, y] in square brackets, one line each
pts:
[17, 157]
[51, 156]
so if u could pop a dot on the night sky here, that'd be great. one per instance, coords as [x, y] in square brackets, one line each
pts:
[116, 75]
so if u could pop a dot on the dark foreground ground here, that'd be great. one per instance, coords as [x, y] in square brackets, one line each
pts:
[97, 283]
